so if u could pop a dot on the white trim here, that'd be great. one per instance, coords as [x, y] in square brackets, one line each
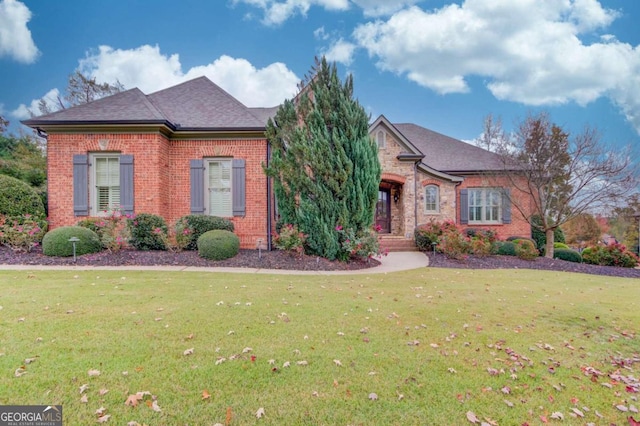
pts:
[484, 207]
[93, 192]
[437, 201]
[381, 139]
[207, 190]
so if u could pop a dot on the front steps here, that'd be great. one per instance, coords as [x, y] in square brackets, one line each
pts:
[393, 243]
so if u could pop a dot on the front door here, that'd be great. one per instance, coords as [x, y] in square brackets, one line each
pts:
[383, 211]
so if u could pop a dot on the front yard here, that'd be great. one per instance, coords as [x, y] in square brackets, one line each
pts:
[430, 346]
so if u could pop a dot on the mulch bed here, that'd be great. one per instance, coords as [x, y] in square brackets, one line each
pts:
[285, 261]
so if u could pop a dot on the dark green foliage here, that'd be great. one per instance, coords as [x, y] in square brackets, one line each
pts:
[567, 254]
[218, 245]
[56, 242]
[611, 255]
[17, 198]
[148, 232]
[324, 164]
[199, 224]
[538, 235]
[23, 157]
[506, 248]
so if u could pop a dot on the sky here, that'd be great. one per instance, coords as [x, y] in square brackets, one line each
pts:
[441, 64]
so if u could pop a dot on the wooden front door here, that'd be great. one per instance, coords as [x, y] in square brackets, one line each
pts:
[383, 211]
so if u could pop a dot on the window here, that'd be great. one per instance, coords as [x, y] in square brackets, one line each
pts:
[105, 183]
[218, 186]
[219, 201]
[485, 205]
[381, 139]
[431, 199]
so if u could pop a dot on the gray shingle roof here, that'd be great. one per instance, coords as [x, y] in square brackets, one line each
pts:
[197, 104]
[447, 154]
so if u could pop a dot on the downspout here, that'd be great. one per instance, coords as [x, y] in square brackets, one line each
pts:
[268, 198]
[415, 195]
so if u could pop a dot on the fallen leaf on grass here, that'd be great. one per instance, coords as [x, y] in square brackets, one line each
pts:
[206, 394]
[103, 391]
[260, 413]
[100, 411]
[622, 408]
[30, 360]
[93, 373]
[509, 403]
[557, 415]
[83, 388]
[104, 419]
[155, 407]
[471, 416]
[577, 412]
[373, 396]
[84, 399]
[633, 422]
[20, 371]
[337, 362]
[302, 363]
[188, 352]
[132, 423]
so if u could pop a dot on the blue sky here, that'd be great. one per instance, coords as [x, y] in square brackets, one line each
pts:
[441, 64]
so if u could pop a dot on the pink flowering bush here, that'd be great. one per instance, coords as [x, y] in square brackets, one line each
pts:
[22, 233]
[290, 239]
[363, 244]
[111, 228]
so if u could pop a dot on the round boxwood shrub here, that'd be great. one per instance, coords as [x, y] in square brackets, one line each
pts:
[560, 246]
[506, 248]
[567, 254]
[148, 232]
[199, 224]
[56, 242]
[218, 245]
[18, 198]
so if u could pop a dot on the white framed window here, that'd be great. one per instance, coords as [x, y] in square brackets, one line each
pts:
[381, 139]
[218, 185]
[485, 205]
[105, 183]
[431, 199]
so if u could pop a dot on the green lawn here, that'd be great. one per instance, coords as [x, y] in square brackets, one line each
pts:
[423, 347]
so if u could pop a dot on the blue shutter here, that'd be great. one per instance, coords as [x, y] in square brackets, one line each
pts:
[197, 186]
[81, 185]
[464, 206]
[238, 189]
[506, 206]
[126, 184]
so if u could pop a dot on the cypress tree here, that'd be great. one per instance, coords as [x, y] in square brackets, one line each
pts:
[324, 164]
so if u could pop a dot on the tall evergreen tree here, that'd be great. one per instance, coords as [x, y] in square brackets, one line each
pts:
[324, 164]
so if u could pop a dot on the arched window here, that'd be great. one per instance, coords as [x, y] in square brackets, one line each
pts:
[381, 139]
[431, 199]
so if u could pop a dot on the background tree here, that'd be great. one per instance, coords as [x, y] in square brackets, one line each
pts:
[324, 164]
[3, 124]
[623, 224]
[80, 90]
[582, 229]
[563, 176]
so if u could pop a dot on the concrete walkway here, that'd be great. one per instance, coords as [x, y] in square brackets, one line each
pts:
[393, 262]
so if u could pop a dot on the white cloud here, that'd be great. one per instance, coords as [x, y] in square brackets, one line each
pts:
[340, 51]
[149, 70]
[276, 12]
[15, 37]
[24, 112]
[529, 51]
[383, 7]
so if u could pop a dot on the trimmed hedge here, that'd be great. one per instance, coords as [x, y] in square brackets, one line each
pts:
[218, 245]
[56, 242]
[560, 246]
[567, 254]
[505, 248]
[18, 198]
[525, 249]
[148, 232]
[199, 224]
[611, 255]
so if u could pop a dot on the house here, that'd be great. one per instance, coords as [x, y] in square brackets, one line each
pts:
[194, 149]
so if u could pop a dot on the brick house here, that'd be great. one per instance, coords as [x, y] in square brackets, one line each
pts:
[194, 149]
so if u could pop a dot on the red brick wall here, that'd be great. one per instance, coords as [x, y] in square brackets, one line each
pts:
[519, 226]
[161, 175]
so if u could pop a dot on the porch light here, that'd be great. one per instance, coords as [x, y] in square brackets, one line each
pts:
[396, 196]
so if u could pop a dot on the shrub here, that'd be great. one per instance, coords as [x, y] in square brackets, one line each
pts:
[610, 255]
[56, 242]
[524, 238]
[560, 246]
[112, 229]
[363, 244]
[506, 248]
[429, 233]
[218, 245]
[290, 239]
[22, 233]
[567, 254]
[539, 236]
[198, 224]
[453, 244]
[525, 249]
[481, 241]
[18, 198]
[148, 232]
